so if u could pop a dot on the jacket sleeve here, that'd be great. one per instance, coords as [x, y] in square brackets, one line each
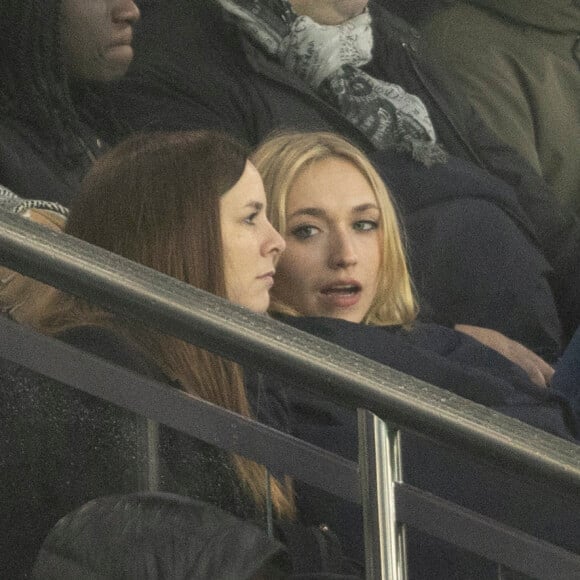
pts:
[557, 228]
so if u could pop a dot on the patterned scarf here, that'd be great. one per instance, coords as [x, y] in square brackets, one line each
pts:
[328, 59]
[11, 203]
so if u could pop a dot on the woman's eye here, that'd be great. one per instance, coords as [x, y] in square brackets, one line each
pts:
[251, 218]
[365, 225]
[304, 232]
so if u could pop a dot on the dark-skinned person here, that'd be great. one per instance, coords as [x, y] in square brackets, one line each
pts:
[53, 53]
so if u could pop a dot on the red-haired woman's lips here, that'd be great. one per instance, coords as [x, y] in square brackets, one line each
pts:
[268, 277]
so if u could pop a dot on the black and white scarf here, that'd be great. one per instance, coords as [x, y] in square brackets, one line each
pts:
[11, 203]
[329, 60]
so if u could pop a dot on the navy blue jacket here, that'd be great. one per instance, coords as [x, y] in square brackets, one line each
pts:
[456, 362]
[30, 169]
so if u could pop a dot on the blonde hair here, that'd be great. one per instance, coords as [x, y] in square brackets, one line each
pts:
[283, 157]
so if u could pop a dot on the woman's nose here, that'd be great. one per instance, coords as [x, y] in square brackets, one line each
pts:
[276, 242]
[342, 251]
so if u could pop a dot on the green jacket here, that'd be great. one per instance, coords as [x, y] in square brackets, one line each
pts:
[518, 61]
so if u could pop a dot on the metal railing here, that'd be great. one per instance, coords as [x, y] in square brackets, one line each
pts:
[322, 368]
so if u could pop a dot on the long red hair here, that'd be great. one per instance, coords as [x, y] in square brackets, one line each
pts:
[155, 200]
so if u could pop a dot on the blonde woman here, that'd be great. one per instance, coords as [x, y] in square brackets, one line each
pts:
[343, 277]
[326, 165]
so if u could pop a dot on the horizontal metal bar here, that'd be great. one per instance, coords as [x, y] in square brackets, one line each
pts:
[335, 373]
[281, 452]
[481, 535]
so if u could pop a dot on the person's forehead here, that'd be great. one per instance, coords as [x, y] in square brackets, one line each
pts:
[333, 183]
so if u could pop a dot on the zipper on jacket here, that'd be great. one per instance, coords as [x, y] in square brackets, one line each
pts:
[466, 144]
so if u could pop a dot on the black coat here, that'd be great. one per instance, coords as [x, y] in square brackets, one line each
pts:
[193, 72]
[30, 168]
[461, 365]
[60, 448]
[151, 536]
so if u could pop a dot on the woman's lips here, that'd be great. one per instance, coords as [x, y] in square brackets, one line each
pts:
[343, 295]
[268, 278]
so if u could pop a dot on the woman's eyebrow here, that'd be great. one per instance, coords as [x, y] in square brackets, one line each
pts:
[313, 211]
[319, 212]
[365, 207]
[258, 205]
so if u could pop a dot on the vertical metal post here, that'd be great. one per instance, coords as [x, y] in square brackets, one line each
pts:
[380, 467]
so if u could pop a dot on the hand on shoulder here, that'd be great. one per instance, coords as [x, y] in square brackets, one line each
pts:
[538, 370]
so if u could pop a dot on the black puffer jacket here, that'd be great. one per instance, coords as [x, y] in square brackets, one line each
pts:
[151, 536]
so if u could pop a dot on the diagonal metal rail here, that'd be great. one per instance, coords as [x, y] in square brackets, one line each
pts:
[323, 368]
[282, 453]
